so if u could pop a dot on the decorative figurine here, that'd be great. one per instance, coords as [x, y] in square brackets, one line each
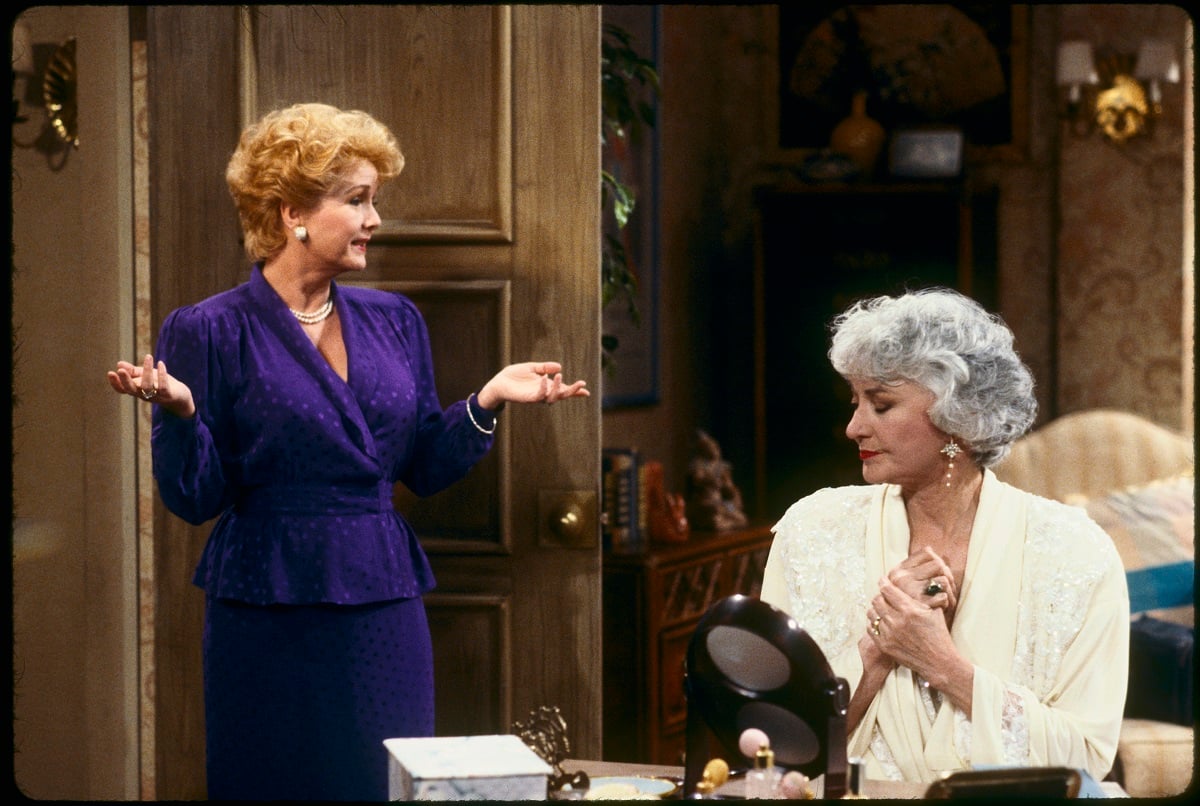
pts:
[714, 503]
[666, 513]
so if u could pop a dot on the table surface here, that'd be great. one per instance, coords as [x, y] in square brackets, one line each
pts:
[900, 790]
[598, 769]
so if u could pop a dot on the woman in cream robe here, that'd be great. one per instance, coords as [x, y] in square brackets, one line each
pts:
[1018, 653]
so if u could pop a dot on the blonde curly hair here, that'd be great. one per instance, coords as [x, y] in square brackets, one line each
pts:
[296, 156]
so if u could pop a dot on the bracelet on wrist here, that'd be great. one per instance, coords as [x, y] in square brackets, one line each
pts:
[474, 422]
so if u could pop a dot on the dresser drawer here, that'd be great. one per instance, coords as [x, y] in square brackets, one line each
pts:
[686, 591]
[672, 664]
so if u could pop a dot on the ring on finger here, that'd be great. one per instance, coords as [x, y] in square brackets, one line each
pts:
[148, 394]
[933, 588]
[875, 625]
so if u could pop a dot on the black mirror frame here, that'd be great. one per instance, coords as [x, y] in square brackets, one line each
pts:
[813, 692]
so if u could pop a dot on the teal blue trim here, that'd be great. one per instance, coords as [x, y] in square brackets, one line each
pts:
[1159, 586]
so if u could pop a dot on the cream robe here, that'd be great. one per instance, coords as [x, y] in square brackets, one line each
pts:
[1043, 615]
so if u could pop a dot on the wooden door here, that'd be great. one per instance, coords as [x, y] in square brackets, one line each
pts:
[493, 230]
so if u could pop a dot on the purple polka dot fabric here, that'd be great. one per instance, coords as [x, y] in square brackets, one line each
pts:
[316, 647]
[298, 464]
[299, 698]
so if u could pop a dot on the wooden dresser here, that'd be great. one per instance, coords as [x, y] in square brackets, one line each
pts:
[652, 602]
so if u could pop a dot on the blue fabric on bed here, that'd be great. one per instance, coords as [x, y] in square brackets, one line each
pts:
[1161, 586]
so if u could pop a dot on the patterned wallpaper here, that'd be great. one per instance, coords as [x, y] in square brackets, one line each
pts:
[1092, 235]
[146, 488]
[1121, 241]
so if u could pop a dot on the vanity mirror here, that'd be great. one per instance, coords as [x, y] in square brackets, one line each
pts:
[750, 665]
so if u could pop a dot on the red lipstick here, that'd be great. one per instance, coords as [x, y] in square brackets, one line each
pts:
[865, 455]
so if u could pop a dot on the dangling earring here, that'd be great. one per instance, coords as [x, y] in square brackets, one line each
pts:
[950, 450]
[301, 233]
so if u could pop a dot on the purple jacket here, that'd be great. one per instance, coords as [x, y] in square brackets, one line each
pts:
[298, 463]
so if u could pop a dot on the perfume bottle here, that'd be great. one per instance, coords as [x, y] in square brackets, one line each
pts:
[763, 781]
[856, 775]
[716, 773]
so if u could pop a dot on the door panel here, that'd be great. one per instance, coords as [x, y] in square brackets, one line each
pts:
[501, 254]
[440, 77]
[472, 632]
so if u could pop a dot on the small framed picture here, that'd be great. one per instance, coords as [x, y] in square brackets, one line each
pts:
[926, 153]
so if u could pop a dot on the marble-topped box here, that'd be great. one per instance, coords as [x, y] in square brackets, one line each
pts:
[465, 768]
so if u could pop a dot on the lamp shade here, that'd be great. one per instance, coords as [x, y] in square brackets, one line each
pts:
[1156, 60]
[1075, 64]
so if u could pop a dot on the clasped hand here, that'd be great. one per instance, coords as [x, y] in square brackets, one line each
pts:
[909, 619]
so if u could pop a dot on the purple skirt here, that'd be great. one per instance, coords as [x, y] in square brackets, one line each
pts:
[299, 698]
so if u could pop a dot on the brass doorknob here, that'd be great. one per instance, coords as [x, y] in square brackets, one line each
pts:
[567, 523]
[567, 519]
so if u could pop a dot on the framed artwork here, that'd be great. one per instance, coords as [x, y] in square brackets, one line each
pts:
[957, 65]
[632, 375]
[926, 153]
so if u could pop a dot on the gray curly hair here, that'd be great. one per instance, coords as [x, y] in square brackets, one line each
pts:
[947, 343]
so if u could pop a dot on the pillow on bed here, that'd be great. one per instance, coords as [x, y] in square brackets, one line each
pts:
[1153, 528]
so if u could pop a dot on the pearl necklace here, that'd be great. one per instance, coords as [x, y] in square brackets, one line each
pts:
[319, 315]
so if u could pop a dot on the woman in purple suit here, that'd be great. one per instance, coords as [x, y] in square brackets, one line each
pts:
[288, 407]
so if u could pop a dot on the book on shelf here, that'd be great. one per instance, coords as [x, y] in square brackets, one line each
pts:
[624, 529]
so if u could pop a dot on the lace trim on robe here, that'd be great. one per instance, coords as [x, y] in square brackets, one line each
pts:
[1014, 729]
[883, 755]
[824, 557]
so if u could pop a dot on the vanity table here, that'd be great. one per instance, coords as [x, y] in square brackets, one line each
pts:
[733, 788]
[898, 790]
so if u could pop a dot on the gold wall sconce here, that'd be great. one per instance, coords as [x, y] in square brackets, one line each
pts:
[1118, 93]
[51, 86]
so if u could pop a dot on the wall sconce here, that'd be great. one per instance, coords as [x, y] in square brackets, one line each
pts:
[56, 91]
[1118, 93]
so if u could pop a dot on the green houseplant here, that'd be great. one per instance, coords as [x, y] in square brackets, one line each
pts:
[628, 88]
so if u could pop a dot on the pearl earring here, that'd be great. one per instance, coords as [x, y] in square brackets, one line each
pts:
[950, 450]
[301, 233]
